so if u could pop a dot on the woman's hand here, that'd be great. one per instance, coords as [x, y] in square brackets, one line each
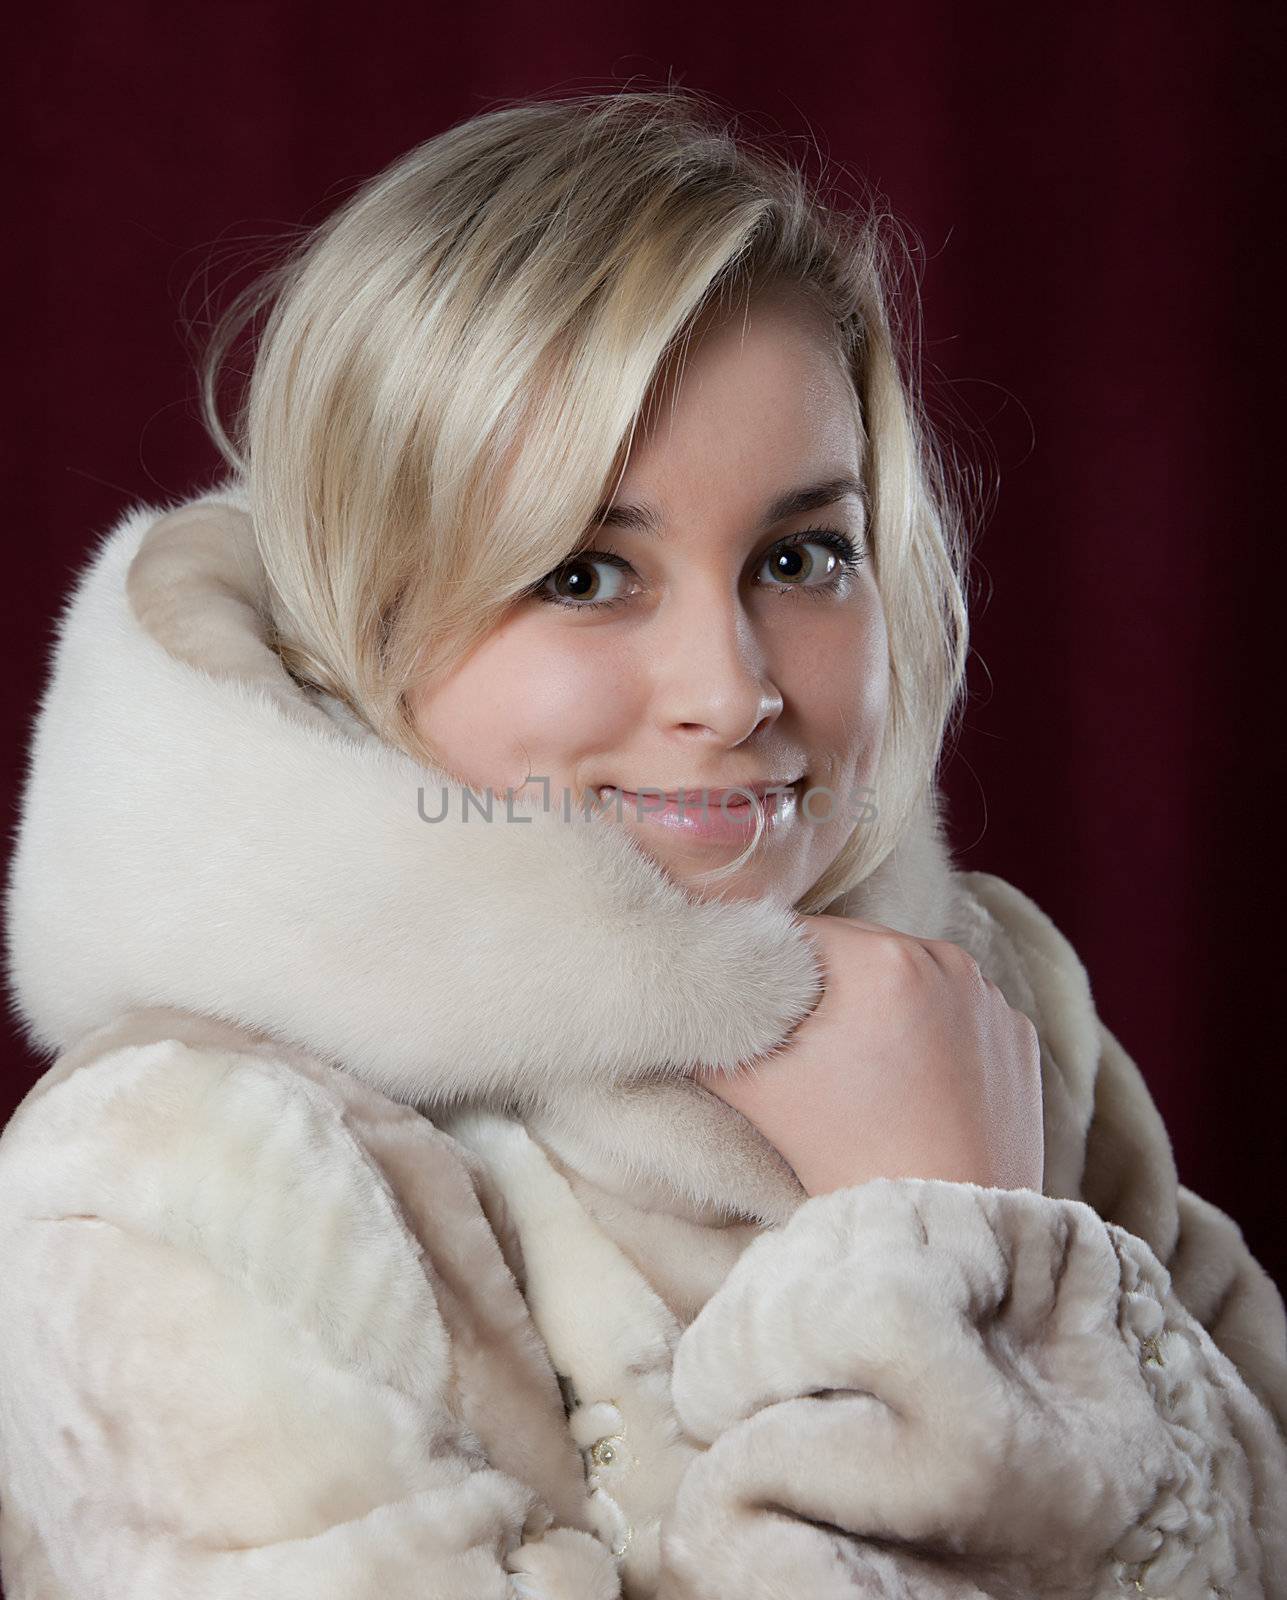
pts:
[911, 1065]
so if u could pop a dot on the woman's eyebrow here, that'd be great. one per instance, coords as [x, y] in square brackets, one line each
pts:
[793, 503]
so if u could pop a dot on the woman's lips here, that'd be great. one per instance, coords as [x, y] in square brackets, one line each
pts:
[714, 814]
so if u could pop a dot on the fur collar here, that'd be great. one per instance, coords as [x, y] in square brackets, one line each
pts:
[199, 832]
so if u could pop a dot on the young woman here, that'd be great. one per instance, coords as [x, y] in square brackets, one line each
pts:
[534, 1110]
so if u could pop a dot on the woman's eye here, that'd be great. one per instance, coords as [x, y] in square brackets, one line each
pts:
[576, 583]
[817, 560]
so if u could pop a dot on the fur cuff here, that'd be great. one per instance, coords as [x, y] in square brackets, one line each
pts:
[983, 1379]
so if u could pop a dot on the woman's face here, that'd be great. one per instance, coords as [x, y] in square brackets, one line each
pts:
[731, 639]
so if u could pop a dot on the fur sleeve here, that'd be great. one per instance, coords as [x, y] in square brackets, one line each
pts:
[995, 1392]
[227, 1366]
[932, 1387]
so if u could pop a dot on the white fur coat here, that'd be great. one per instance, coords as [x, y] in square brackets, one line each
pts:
[367, 1235]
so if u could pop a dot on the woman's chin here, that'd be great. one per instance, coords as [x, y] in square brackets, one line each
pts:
[756, 879]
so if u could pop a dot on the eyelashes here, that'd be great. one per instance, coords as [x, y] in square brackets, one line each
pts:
[849, 557]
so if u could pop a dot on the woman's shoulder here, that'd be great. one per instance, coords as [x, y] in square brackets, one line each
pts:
[1022, 950]
[255, 1304]
[1017, 933]
[265, 1156]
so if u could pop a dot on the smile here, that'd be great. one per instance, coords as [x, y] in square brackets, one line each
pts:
[710, 814]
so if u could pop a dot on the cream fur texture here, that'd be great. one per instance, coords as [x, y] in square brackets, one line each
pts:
[367, 1237]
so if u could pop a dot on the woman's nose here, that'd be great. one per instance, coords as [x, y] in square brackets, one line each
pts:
[712, 673]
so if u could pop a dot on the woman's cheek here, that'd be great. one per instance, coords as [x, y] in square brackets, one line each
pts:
[568, 701]
[573, 686]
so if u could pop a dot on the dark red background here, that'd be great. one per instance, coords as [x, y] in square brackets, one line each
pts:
[1095, 193]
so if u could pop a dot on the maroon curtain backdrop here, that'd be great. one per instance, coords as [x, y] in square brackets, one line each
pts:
[1095, 194]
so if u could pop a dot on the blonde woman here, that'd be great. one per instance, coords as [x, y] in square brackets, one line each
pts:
[533, 1108]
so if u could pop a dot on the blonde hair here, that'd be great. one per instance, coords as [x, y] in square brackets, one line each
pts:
[453, 364]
